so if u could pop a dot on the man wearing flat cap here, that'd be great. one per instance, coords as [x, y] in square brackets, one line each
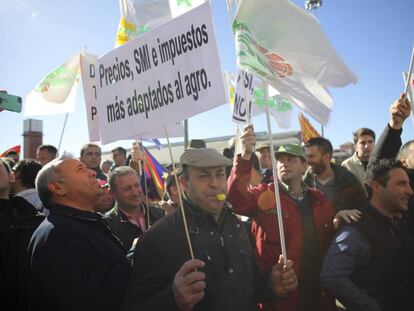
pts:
[307, 219]
[224, 275]
[265, 161]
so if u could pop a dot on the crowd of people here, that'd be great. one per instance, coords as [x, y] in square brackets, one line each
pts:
[78, 234]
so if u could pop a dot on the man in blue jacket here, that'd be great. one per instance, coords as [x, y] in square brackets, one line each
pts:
[75, 262]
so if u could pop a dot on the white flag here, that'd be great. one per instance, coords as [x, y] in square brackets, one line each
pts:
[139, 16]
[56, 93]
[410, 92]
[285, 46]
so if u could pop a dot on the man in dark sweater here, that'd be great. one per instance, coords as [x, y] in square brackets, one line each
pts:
[361, 255]
[389, 146]
[131, 216]
[336, 182]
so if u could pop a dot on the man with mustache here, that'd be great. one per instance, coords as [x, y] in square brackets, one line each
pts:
[223, 276]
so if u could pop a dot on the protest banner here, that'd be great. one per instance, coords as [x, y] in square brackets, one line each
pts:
[88, 71]
[159, 78]
[243, 98]
[280, 107]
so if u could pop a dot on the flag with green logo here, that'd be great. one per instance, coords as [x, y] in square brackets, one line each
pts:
[280, 107]
[56, 92]
[285, 46]
[139, 16]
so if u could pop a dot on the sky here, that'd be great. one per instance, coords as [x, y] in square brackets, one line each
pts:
[374, 38]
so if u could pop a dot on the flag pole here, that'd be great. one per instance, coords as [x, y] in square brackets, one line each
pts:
[146, 189]
[139, 162]
[63, 131]
[407, 82]
[179, 196]
[275, 176]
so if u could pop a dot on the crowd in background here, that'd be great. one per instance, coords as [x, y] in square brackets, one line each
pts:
[80, 234]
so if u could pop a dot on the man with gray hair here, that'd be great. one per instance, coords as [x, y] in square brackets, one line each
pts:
[74, 260]
[224, 275]
[129, 218]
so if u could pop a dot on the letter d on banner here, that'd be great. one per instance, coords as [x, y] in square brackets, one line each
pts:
[87, 64]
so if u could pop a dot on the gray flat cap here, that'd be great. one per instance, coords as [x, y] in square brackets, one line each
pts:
[204, 157]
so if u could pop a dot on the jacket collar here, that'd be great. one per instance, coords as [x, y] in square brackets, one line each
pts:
[387, 220]
[122, 216]
[201, 216]
[356, 159]
[58, 209]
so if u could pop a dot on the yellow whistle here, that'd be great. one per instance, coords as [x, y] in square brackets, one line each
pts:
[221, 197]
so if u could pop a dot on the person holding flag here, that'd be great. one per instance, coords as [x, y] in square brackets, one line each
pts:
[307, 218]
[224, 275]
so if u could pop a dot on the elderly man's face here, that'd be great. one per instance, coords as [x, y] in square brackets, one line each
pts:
[202, 186]
[77, 184]
[128, 192]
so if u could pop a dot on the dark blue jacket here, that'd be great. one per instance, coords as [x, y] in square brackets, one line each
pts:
[75, 263]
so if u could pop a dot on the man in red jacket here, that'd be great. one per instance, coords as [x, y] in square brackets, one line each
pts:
[307, 220]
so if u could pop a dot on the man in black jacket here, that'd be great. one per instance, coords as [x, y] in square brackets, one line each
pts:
[130, 217]
[26, 207]
[224, 276]
[361, 257]
[75, 262]
[401, 280]
[6, 221]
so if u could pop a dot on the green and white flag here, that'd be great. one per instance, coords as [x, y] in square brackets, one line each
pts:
[56, 93]
[285, 46]
[280, 107]
[139, 16]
